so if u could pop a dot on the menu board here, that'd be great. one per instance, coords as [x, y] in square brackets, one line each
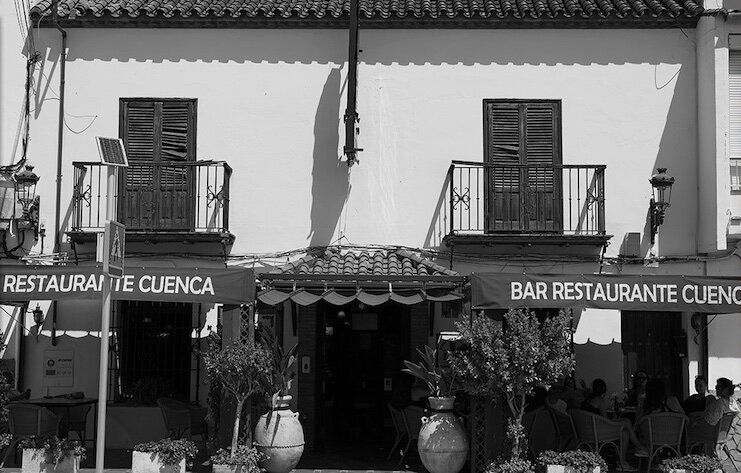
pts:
[59, 368]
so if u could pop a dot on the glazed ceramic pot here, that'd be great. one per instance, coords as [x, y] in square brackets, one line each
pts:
[279, 436]
[442, 443]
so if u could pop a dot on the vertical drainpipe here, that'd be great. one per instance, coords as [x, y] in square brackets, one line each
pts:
[60, 145]
[351, 113]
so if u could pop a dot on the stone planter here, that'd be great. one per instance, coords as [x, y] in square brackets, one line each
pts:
[567, 469]
[690, 471]
[442, 443]
[279, 436]
[230, 469]
[147, 462]
[33, 462]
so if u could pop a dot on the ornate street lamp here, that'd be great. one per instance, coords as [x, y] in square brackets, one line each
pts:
[661, 183]
[25, 193]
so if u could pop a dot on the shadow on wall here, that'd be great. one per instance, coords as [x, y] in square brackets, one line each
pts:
[440, 224]
[398, 47]
[330, 176]
[600, 361]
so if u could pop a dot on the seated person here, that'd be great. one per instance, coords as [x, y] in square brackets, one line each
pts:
[597, 404]
[697, 401]
[703, 426]
[637, 393]
[553, 401]
[657, 400]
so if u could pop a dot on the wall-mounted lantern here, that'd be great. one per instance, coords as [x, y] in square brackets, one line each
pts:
[25, 193]
[38, 319]
[661, 183]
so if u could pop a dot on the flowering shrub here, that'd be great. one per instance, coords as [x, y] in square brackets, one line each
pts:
[243, 456]
[580, 461]
[515, 465]
[170, 452]
[55, 450]
[693, 463]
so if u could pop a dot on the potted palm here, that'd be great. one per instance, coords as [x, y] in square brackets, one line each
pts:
[51, 455]
[279, 436]
[162, 456]
[442, 442]
[691, 464]
[241, 369]
[509, 360]
[576, 461]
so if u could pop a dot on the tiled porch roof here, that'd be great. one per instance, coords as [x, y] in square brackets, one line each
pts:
[381, 262]
[522, 11]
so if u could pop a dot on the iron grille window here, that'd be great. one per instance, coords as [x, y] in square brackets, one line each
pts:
[155, 354]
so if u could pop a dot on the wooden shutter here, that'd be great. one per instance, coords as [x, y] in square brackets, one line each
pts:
[523, 143]
[159, 135]
[734, 132]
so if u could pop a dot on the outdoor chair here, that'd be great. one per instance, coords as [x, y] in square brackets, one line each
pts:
[718, 440]
[540, 430]
[565, 435]
[661, 431]
[28, 420]
[182, 420]
[596, 432]
[75, 420]
[397, 418]
[412, 416]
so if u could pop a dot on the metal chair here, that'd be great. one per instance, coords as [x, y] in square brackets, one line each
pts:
[183, 420]
[715, 440]
[540, 430]
[28, 420]
[596, 432]
[397, 417]
[412, 416]
[565, 434]
[75, 420]
[661, 431]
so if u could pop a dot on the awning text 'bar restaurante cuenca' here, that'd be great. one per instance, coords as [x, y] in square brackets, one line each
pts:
[224, 285]
[602, 291]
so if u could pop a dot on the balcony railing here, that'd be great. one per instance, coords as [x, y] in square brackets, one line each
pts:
[173, 197]
[521, 198]
[736, 174]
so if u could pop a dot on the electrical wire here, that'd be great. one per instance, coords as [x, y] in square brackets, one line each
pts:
[20, 324]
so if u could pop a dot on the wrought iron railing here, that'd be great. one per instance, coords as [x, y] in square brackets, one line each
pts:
[189, 197]
[736, 174]
[489, 198]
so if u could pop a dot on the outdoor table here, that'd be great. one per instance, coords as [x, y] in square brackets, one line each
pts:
[63, 403]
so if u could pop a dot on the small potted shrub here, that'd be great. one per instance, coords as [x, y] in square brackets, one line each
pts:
[576, 461]
[691, 464]
[514, 465]
[244, 460]
[442, 443]
[241, 369]
[51, 455]
[162, 456]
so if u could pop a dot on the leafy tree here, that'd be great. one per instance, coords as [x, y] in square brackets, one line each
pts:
[513, 360]
[242, 368]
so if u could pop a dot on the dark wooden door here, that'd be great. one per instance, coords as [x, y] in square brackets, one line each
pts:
[649, 341]
[159, 136]
[522, 146]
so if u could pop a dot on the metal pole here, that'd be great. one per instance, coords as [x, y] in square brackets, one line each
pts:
[105, 328]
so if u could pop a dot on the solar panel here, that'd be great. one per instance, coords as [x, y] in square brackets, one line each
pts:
[111, 151]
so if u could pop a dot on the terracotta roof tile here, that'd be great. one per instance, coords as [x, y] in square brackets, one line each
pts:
[420, 9]
[336, 261]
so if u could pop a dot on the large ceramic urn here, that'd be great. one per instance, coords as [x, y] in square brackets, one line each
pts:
[442, 443]
[279, 437]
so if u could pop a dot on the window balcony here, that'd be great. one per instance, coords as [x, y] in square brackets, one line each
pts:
[526, 204]
[179, 202]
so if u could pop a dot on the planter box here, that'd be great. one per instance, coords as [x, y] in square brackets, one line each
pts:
[230, 468]
[566, 469]
[33, 462]
[146, 462]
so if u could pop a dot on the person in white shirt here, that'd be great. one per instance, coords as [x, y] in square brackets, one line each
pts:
[724, 403]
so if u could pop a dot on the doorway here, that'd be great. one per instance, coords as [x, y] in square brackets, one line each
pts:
[362, 351]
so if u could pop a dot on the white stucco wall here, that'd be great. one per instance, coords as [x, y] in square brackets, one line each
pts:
[271, 104]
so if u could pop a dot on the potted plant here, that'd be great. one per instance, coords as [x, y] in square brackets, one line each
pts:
[513, 465]
[244, 460]
[279, 435]
[442, 443]
[162, 456]
[241, 368]
[50, 454]
[691, 464]
[512, 358]
[576, 461]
